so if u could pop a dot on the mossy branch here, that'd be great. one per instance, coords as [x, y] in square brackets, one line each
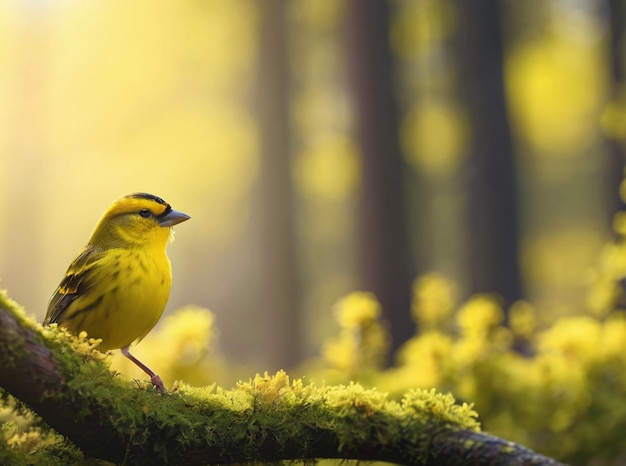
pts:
[268, 419]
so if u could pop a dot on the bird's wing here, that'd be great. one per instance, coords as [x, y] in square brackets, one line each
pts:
[79, 278]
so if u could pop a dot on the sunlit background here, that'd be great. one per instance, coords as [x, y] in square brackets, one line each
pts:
[428, 151]
[247, 115]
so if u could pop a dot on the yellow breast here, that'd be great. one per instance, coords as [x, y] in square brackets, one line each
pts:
[134, 287]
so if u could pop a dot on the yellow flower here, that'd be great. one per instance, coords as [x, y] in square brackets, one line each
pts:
[522, 319]
[357, 309]
[480, 314]
[433, 300]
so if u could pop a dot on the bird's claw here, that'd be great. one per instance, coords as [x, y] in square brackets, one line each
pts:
[157, 383]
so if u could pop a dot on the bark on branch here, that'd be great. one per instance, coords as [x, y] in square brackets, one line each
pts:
[266, 420]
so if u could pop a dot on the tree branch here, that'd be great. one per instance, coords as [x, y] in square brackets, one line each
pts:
[268, 419]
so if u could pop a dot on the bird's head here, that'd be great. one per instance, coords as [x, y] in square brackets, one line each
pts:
[136, 219]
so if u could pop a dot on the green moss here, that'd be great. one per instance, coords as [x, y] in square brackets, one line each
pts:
[288, 418]
[26, 440]
[266, 409]
[296, 413]
[12, 349]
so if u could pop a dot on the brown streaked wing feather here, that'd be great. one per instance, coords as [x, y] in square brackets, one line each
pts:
[78, 278]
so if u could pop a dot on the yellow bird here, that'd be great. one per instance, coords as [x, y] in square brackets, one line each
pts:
[117, 287]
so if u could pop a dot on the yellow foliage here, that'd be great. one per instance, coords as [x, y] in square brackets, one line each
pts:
[363, 341]
[480, 315]
[522, 319]
[619, 220]
[268, 388]
[553, 109]
[358, 309]
[607, 292]
[181, 347]
[575, 339]
[422, 362]
[330, 170]
[434, 136]
[434, 298]
[563, 394]
[561, 257]
[611, 344]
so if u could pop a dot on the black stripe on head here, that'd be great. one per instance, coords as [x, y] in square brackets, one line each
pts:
[150, 197]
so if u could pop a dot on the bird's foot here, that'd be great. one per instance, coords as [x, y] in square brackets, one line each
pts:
[157, 383]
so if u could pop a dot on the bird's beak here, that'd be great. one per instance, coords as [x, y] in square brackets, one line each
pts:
[173, 217]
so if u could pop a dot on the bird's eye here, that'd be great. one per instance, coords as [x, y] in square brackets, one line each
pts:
[145, 213]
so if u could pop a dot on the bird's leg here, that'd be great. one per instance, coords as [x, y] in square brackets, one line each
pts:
[154, 378]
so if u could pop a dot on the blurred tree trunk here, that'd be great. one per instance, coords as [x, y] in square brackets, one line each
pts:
[492, 192]
[276, 277]
[383, 248]
[617, 149]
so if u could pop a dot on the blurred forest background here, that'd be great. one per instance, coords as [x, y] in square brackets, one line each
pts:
[427, 151]
[321, 147]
